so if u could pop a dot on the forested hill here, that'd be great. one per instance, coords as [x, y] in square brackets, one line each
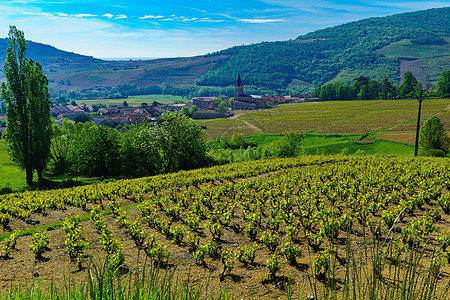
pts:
[375, 47]
[46, 54]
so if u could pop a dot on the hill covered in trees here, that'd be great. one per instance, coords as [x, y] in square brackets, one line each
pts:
[375, 48]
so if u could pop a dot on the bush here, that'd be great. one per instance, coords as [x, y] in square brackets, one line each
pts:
[433, 153]
[39, 243]
[5, 190]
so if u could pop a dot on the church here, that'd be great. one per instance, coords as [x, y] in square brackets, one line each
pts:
[246, 102]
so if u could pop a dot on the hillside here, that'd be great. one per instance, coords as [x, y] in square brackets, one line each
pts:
[73, 72]
[375, 47]
[385, 117]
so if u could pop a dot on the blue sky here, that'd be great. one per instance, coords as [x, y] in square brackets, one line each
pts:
[171, 28]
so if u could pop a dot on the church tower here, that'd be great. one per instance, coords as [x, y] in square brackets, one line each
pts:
[239, 88]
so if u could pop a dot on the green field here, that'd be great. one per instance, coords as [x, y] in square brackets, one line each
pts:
[136, 100]
[10, 174]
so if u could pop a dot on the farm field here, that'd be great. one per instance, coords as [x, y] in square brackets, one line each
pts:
[341, 117]
[136, 100]
[216, 127]
[340, 227]
[403, 137]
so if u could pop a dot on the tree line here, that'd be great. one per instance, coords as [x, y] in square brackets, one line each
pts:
[175, 143]
[123, 91]
[364, 88]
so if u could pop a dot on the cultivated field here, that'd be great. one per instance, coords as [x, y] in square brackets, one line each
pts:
[340, 227]
[341, 117]
[137, 100]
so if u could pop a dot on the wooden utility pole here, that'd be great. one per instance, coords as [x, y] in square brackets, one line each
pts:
[418, 124]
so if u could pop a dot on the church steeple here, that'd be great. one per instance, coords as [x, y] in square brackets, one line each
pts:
[239, 88]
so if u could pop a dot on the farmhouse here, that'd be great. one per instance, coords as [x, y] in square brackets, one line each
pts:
[204, 102]
[69, 111]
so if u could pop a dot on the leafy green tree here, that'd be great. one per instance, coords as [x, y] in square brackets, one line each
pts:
[289, 145]
[409, 84]
[140, 151]
[443, 86]
[362, 94]
[59, 151]
[28, 133]
[223, 105]
[82, 118]
[433, 135]
[388, 90]
[125, 103]
[98, 151]
[181, 142]
[64, 143]
[193, 109]
[185, 110]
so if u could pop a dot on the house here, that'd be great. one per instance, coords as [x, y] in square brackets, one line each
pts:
[69, 111]
[210, 114]
[137, 115]
[177, 107]
[104, 121]
[205, 102]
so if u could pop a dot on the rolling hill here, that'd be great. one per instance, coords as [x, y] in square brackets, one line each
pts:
[375, 47]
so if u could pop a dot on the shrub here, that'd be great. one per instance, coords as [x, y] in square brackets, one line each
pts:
[39, 243]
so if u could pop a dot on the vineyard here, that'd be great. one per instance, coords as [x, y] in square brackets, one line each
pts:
[323, 226]
[339, 117]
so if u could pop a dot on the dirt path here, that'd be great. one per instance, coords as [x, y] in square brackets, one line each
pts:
[246, 122]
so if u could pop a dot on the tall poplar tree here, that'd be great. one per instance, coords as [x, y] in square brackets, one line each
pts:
[28, 132]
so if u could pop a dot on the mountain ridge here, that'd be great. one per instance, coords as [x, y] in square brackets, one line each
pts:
[374, 47]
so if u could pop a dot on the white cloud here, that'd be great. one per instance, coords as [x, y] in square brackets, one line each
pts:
[36, 14]
[151, 17]
[84, 15]
[61, 14]
[121, 17]
[108, 15]
[189, 19]
[261, 21]
[208, 20]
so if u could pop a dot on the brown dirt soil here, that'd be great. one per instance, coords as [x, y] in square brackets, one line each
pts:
[403, 137]
[244, 282]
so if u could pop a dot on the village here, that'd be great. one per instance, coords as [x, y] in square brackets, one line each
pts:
[220, 106]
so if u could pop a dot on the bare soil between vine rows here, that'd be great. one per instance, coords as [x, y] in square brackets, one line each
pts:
[244, 282]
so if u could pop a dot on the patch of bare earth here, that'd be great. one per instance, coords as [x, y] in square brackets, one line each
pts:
[402, 137]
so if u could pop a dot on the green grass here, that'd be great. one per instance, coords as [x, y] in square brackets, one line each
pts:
[143, 281]
[262, 138]
[137, 100]
[13, 177]
[10, 174]
[348, 144]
